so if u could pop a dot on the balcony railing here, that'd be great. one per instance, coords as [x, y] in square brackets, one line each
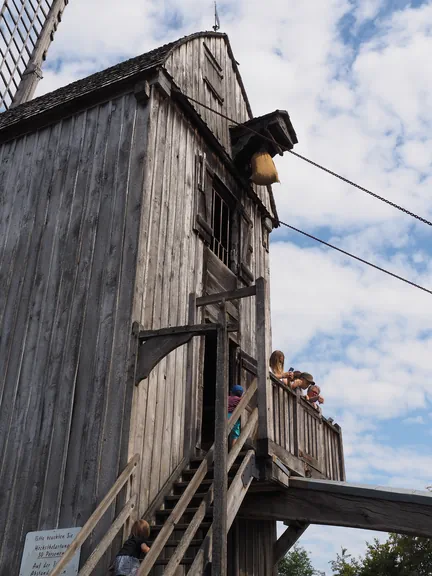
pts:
[297, 429]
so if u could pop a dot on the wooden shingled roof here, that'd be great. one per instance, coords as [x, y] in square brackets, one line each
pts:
[65, 98]
[88, 85]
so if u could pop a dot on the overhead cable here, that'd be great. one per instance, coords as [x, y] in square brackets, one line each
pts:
[323, 168]
[401, 278]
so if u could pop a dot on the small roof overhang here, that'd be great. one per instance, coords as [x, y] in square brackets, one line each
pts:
[272, 132]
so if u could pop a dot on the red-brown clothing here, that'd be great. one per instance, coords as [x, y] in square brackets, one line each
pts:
[233, 403]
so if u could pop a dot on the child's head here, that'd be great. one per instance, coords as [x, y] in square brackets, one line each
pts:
[237, 391]
[140, 529]
[277, 361]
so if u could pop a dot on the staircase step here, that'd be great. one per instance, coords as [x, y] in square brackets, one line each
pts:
[185, 483]
[177, 497]
[183, 562]
[170, 544]
[196, 460]
[189, 473]
[191, 510]
[177, 527]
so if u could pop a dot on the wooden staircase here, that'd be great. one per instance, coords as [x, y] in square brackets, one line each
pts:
[183, 531]
[202, 493]
[186, 523]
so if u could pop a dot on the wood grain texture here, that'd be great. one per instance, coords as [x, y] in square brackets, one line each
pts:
[71, 195]
[288, 539]
[250, 547]
[336, 504]
[188, 67]
[168, 270]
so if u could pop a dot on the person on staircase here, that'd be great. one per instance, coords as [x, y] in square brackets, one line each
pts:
[233, 401]
[127, 560]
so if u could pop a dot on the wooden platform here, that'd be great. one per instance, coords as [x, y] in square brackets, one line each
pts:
[343, 504]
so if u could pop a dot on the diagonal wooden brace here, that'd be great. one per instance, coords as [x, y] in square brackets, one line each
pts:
[154, 345]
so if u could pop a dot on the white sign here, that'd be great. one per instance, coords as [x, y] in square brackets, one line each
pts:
[43, 550]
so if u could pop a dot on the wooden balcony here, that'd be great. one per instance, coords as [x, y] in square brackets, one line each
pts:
[299, 440]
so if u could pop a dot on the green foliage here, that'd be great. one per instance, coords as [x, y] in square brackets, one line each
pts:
[296, 563]
[345, 565]
[398, 556]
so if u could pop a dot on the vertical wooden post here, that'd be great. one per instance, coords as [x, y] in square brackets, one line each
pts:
[341, 456]
[297, 430]
[265, 409]
[219, 552]
[190, 393]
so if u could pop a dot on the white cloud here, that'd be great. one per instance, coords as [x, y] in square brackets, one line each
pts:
[414, 420]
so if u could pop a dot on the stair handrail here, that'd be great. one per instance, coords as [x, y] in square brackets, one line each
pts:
[178, 511]
[236, 494]
[199, 515]
[91, 523]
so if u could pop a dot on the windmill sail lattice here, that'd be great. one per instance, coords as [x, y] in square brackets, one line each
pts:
[27, 29]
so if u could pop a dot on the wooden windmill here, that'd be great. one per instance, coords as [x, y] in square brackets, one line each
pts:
[134, 292]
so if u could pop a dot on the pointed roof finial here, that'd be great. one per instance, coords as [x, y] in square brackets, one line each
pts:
[217, 21]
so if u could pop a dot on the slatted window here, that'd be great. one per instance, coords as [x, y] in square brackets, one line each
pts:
[246, 247]
[21, 22]
[221, 220]
[213, 76]
[214, 212]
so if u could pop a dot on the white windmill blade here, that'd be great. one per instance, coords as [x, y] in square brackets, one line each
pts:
[27, 29]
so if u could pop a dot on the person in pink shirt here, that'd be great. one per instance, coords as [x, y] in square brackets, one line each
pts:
[233, 401]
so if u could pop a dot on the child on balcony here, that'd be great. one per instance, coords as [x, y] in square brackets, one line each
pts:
[277, 361]
[127, 560]
[302, 381]
[233, 401]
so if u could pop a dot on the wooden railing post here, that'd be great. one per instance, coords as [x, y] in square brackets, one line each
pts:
[265, 408]
[219, 553]
[297, 427]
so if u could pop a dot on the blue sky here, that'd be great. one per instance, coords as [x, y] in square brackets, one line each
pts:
[355, 78]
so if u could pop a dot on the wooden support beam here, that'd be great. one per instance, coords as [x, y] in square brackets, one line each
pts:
[162, 82]
[153, 351]
[262, 332]
[196, 329]
[226, 296]
[342, 504]
[221, 451]
[156, 344]
[283, 545]
[190, 395]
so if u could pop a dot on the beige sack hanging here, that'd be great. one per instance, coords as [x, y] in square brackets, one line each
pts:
[263, 169]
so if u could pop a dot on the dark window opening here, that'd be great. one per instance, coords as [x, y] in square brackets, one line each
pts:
[209, 388]
[221, 219]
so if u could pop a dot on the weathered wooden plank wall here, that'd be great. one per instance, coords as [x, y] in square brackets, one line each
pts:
[169, 268]
[70, 198]
[260, 267]
[187, 64]
[250, 548]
